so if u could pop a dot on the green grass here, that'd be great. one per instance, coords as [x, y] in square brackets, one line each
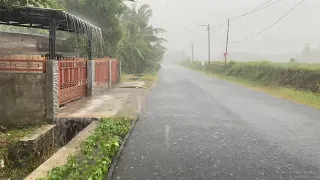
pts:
[286, 65]
[312, 66]
[306, 97]
[149, 79]
[97, 151]
[125, 78]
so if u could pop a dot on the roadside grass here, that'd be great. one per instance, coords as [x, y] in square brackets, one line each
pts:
[149, 79]
[312, 66]
[97, 151]
[7, 139]
[125, 78]
[299, 96]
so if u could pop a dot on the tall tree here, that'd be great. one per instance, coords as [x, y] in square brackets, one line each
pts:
[32, 3]
[140, 48]
[104, 14]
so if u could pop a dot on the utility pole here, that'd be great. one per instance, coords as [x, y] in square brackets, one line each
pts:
[192, 44]
[209, 42]
[227, 43]
[183, 56]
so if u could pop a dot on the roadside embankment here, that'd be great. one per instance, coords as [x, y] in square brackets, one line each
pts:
[293, 81]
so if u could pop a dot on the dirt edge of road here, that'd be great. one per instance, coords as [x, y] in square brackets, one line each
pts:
[133, 108]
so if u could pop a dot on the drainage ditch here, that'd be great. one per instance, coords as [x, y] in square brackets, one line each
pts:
[68, 128]
[30, 153]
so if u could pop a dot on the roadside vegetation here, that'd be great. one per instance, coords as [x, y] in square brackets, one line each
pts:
[293, 81]
[97, 151]
[149, 79]
[7, 139]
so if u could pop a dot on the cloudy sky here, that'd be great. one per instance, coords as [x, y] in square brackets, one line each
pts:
[289, 35]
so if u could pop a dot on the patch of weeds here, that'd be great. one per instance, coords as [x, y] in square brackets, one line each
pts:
[7, 139]
[149, 79]
[125, 78]
[97, 152]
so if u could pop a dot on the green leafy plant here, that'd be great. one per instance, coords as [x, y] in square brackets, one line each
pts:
[97, 152]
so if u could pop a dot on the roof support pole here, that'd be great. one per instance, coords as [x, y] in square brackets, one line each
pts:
[52, 39]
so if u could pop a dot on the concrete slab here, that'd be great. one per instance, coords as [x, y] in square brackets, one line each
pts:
[97, 107]
[38, 132]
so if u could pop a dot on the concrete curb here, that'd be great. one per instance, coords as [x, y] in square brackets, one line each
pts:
[117, 157]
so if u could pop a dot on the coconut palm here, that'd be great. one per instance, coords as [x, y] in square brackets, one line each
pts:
[140, 48]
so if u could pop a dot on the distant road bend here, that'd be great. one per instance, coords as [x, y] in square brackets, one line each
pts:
[198, 127]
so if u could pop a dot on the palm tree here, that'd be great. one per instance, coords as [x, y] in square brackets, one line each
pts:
[140, 48]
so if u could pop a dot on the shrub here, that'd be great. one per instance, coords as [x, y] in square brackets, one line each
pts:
[294, 75]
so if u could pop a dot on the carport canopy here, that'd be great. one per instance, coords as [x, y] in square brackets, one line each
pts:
[51, 19]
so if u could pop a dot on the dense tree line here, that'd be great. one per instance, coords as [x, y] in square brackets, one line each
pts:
[125, 30]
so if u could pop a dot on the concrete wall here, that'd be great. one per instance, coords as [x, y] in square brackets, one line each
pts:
[34, 149]
[20, 43]
[22, 99]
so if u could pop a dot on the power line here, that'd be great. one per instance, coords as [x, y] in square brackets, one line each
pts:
[262, 6]
[271, 24]
[267, 6]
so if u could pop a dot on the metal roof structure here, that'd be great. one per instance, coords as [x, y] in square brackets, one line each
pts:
[51, 19]
[41, 17]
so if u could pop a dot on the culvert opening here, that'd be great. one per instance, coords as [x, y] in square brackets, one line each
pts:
[68, 128]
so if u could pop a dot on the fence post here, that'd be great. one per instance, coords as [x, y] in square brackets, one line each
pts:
[52, 89]
[110, 74]
[119, 71]
[90, 77]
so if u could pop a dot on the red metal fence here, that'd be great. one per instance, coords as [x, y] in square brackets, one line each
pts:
[101, 71]
[72, 72]
[72, 80]
[27, 64]
[114, 71]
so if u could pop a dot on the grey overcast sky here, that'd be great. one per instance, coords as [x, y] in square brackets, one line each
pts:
[289, 35]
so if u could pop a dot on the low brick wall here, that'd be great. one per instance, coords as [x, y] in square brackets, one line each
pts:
[33, 149]
[22, 99]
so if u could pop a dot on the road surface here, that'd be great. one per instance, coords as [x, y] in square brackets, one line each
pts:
[198, 127]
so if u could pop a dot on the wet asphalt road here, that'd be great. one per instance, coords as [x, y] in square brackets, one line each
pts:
[197, 127]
